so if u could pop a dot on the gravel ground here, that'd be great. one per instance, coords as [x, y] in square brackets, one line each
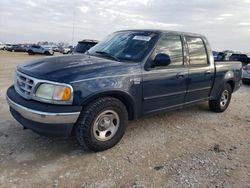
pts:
[192, 147]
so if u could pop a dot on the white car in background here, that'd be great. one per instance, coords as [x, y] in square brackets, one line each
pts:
[66, 50]
[246, 74]
[8, 46]
[37, 49]
[2, 46]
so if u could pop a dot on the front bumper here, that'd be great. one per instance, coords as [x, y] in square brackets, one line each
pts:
[45, 119]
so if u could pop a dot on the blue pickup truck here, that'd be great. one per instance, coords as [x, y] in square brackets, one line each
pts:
[130, 74]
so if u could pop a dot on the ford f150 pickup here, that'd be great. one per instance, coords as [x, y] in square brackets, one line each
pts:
[130, 74]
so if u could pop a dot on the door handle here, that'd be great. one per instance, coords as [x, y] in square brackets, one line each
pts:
[207, 72]
[180, 75]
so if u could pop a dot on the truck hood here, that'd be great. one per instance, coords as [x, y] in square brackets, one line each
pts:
[70, 68]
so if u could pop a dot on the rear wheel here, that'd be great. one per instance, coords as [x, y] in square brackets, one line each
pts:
[102, 124]
[221, 104]
[30, 52]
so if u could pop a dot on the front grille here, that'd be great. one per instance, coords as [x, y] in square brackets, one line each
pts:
[24, 85]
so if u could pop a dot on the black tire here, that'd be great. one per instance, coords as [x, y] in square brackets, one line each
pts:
[223, 101]
[46, 53]
[245, 82]
[30, 52]
[84, 130]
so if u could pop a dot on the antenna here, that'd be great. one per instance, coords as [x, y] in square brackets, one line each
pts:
[73, 29]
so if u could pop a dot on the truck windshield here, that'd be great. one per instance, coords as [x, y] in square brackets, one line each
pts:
[125, 46]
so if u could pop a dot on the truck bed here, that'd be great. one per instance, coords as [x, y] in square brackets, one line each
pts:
[226, 69]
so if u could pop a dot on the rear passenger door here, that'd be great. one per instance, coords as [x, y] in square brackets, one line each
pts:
[201, 71]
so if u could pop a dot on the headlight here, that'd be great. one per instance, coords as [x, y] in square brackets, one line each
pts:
[56, 93]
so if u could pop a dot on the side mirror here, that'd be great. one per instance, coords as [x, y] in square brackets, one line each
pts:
[161, 60]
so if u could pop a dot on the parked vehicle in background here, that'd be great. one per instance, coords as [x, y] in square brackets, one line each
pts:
[130, 74]
[223, 56]
[8, 46]
[54, 47]
[37, 49]
[84, 46]
[215, 54]
[246, 74]
[2, 46]
[66, 50]
[17, 48]
[243, 58]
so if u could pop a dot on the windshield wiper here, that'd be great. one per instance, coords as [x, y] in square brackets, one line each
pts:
[108, 54]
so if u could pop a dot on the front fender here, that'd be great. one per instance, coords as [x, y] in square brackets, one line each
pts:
[125, 97]
[121, 87]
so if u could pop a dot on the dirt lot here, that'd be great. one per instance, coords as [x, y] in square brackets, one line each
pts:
[192, 147]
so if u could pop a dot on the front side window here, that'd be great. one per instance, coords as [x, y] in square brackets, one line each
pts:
[170, 45]
[126, 46]
[197, 51]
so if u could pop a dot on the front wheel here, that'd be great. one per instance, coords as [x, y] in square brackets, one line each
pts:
[102, 124]
[46, 53]
[221, 104]
[30, 52]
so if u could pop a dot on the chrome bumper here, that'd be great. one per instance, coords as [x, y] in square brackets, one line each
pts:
[44, 117]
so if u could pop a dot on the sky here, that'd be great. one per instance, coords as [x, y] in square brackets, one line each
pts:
[226, 23]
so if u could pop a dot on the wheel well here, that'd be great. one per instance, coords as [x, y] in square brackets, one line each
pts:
[232, 84]
[124, 99]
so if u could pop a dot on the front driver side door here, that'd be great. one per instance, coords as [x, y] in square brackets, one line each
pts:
[165, 87]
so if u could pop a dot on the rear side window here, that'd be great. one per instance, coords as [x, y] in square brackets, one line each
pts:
[197, 51]
[171, 45]
[34, 46]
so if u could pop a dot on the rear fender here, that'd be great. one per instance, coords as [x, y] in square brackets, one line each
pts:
[229, 77]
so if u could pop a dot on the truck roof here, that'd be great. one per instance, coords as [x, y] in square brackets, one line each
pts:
[88, 40]
[164, 31]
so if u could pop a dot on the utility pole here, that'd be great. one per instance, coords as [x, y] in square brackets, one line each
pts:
[73, 29]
